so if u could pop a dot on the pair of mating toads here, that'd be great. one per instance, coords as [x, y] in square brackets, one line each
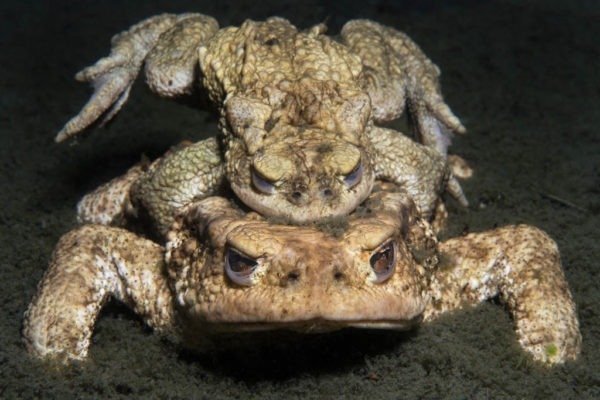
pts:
[301, 150]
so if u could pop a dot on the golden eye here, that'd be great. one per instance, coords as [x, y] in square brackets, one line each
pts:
[239, 268]
[383, 261]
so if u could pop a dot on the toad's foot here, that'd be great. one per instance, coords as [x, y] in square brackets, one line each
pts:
[110, 203]
[398, 73]
[113, 76]
[520, 264]
[460, 167]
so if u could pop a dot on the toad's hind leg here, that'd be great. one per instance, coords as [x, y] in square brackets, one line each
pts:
[397, 72]
[521, 265]
[110, 203]
[91, 264]
[166, 43]
[185, 173]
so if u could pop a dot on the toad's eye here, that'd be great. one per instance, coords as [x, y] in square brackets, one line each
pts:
[383, 261]
[239, 268]
[354, 177]
[261, 183]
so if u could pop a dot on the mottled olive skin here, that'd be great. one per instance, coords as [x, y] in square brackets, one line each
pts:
[298, 113]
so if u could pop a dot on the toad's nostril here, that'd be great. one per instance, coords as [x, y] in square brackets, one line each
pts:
[327, 193]
[293, 276]
[296, 195]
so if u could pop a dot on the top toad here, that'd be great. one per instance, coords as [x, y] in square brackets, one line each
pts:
[297, 109]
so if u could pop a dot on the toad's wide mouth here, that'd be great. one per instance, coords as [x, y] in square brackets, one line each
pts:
[315, 325]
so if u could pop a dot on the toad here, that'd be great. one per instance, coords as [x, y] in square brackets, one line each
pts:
[224, 270]
[298, 111]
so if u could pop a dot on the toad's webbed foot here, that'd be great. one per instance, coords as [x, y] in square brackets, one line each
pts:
[166, 43]
[110, 203]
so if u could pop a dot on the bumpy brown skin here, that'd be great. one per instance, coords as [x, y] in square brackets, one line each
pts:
[297, 111]
[228, 272]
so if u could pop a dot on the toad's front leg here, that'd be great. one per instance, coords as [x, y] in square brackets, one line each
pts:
[90, 265]
[419, 170]
[521, 265]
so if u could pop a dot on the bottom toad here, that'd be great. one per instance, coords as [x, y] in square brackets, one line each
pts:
[226, 271]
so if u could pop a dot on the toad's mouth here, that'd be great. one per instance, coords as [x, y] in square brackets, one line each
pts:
[315, 325]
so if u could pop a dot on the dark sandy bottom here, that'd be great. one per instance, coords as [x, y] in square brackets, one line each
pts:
[523, 78]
